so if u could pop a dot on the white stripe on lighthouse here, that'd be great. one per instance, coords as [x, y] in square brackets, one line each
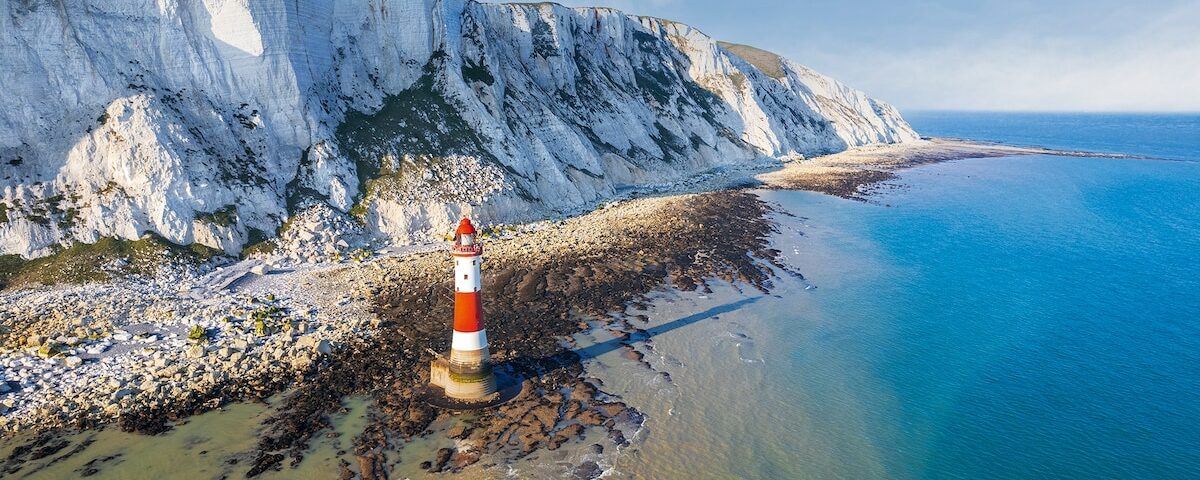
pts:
[466, 274]
[468, 341]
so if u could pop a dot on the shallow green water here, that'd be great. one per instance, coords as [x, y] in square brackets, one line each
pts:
[216, 444]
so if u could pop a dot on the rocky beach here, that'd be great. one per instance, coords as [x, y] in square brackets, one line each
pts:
[358, 319]
[548, 284]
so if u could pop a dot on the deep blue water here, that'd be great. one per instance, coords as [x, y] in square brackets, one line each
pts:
[1021, 317]
[1171, 136]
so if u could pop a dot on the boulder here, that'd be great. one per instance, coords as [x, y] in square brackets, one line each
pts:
[301, 362]
[587, 470]
[441, 458]
[196, 351]
[590, 418]
[324, 347]
[35, 340]
[73, 361]
[611, 409]
[260, 269]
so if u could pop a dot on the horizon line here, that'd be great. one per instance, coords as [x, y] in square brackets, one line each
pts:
[1098, 112]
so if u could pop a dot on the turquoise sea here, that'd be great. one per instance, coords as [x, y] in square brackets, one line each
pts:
[1021, 317]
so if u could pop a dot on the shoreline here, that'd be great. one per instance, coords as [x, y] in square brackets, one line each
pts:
[552, 272]
[845, 174]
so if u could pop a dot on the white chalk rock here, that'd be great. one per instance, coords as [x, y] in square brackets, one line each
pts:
[300, 362]
[324, 347]
[197, 145]
[196, 351]
[73, 361]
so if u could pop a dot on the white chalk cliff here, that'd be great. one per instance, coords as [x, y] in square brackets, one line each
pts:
[206, 120]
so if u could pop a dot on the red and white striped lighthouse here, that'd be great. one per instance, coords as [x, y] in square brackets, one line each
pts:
[469, 372]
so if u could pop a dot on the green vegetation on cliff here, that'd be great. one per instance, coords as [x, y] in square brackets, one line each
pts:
[94, 262]
[222, 217]
[420, 121]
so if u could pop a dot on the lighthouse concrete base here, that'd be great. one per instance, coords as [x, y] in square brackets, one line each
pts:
[474, 382]
[504, 385]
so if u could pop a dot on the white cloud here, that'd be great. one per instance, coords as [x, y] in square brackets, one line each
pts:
[1155, 67]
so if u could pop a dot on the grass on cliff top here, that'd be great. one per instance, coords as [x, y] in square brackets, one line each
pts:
[95, 262]
[767, 62]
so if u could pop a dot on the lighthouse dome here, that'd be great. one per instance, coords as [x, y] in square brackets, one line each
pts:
[465, 227]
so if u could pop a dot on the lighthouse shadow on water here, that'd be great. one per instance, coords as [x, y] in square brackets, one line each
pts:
[467, 379]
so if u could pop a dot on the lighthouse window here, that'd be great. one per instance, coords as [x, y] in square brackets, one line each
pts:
[464, 276]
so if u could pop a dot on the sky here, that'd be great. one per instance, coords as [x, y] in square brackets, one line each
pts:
[1073, 55]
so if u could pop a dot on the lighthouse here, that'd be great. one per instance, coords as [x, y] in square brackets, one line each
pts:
[467, 373]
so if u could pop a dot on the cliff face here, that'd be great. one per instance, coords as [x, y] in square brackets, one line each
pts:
[205, 120]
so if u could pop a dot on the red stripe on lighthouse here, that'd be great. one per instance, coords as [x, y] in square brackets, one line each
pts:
[468, 312]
